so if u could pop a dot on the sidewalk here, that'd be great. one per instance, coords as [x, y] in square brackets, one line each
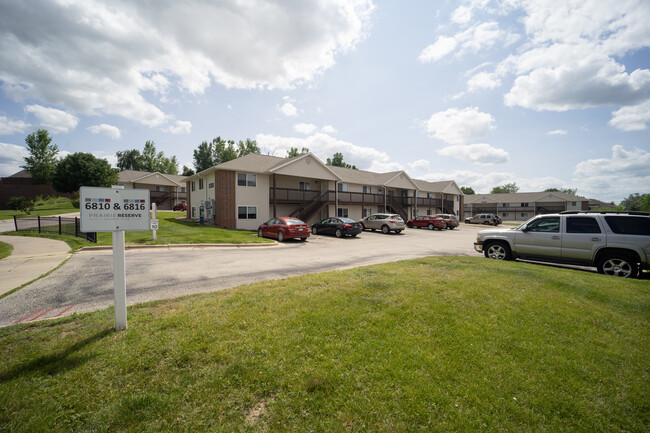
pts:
[31, 258]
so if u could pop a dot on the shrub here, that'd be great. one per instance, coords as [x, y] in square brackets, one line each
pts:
[20, 204]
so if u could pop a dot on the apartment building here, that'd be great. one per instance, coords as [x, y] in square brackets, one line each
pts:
[247, 191]
[166, 190]
[521, 206]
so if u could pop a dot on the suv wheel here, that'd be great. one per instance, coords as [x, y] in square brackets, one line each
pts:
[498, 251]
[384, 229]
[618, 265]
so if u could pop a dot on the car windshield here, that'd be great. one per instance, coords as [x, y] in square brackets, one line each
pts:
[347, 220]
[293, 221]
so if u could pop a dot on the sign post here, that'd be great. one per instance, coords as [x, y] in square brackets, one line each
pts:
[115, 210]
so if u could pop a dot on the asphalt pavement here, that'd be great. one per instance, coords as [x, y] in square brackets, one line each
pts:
[85, 282]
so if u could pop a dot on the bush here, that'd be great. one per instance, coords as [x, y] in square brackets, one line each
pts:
[20, 204]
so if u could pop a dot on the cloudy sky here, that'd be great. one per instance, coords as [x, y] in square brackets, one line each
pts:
[544, 93]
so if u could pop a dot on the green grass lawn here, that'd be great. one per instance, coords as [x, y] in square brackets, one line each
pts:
[434, 344]
[5, 249]
[45, 207]
[172, 231]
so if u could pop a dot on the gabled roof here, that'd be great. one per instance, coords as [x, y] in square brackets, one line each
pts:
[148, 178]
[444, 187]
[307, 158]
[523, 197]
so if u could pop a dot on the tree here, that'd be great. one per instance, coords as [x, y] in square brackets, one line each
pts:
[636, 202]
[82, 169]
[223, 151]
[203, 156]
[187, 171]
[21, 204]
[508, 188]
[130, 160]
[149, 160]
[246, 147]
[293, 152]
[467, 190]
[570, 191]
[337, 161]
[41, 162]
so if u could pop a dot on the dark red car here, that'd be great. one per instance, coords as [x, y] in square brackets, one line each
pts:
[284, 228]
[180, 206]
[429, 221]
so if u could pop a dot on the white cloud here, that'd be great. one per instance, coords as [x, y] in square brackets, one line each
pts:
[456, 126]
[479, 153]
[625, 172]
[9, 127]
[324, 146]
[443, 46]
[68, 56]
[289, 109]
[329, 129]
[633, 118]
[179, 127]
[110, 157]
[53, 119]
[483, 80]
[419, 165]
[11, 158]
[462, 15]
[108, 130]
[304, 128]
[557, 132]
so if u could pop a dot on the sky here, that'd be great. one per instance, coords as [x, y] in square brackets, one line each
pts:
[542, 93]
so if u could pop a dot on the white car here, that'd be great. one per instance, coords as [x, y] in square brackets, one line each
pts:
[617, 243]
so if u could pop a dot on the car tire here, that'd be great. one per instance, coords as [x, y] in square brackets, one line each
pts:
[466, 221]
[385, 229]
[487, 223]
[260, 233]
[353, 235]
[451, 227]
[430, 226]
[618, 265]
[409, 225]
[280, 236]
[398, 231]
[314, 231]
[363, 227]
[498, 251]
[338, 233]
[303, 239]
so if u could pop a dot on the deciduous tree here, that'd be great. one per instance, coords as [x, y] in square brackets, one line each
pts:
[293, 152]
[82, 169]
[467, 190]
[508, 188]
[337, 161]
[42, 160]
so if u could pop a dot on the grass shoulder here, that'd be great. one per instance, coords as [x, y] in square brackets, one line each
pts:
[435, 344]
[45, 207]
[5, 249]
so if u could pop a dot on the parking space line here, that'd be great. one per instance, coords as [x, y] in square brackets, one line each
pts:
[61, 313]
[29, 315]
[44, 312]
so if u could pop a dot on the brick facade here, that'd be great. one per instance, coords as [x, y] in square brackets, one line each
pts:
[225, 212]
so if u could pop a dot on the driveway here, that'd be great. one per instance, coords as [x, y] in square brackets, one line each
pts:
[85, 282]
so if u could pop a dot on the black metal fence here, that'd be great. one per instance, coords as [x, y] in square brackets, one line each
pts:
[57, 225]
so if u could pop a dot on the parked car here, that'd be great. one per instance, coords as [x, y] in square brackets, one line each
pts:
[484, 218]
[386, 222]
[338, 227]
[617, 243]
[429, 221]
[284, 228]
[450, 220]
[180, 206]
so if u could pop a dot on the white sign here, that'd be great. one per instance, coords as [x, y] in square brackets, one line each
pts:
[154, 224]
[111, 210]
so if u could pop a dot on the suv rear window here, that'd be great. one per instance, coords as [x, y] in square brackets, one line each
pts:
[582, 225]
[629, 225]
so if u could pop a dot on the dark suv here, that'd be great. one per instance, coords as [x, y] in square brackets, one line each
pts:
[617, 243]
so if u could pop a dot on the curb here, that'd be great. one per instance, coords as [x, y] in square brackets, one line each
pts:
[173, 246]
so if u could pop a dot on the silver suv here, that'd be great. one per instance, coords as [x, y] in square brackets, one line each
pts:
[617, 243]
[386, 222]
[484, 218]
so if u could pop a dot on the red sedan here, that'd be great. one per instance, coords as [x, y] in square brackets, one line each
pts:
[429, 221]
[284, 228]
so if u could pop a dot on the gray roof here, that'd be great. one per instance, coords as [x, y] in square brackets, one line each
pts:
[523, 197]
[131, 175]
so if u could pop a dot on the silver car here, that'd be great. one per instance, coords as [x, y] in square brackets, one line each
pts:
[386, 222]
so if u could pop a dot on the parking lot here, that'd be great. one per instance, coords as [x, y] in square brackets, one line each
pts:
[85, 283]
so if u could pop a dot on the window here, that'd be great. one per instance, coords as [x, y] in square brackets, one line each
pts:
[545, 225]
[629, 225]
[367, 190]
[193, 210]
[524, 215]
[342, 187]
[505, 205]
[193, 186]
[429, 195]
[342, 212]
[200, 184]
[304, 186]
[183, 189]
[582, 225]
[505, 214]
[246, 179]
[366, 212]
[573, 203]
[211, 185]
[524, 205]
[246, 212]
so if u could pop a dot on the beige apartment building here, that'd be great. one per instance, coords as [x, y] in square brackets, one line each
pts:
[166, 190]
[521, 206]
[247, 191]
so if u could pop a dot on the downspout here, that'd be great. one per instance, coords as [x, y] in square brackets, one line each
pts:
[336, 198]
[385, 202]
[274, 198]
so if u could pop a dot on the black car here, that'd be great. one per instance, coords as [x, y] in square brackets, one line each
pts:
[338, 227]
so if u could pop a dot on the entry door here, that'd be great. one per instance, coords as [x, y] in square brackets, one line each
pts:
[541, 238]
